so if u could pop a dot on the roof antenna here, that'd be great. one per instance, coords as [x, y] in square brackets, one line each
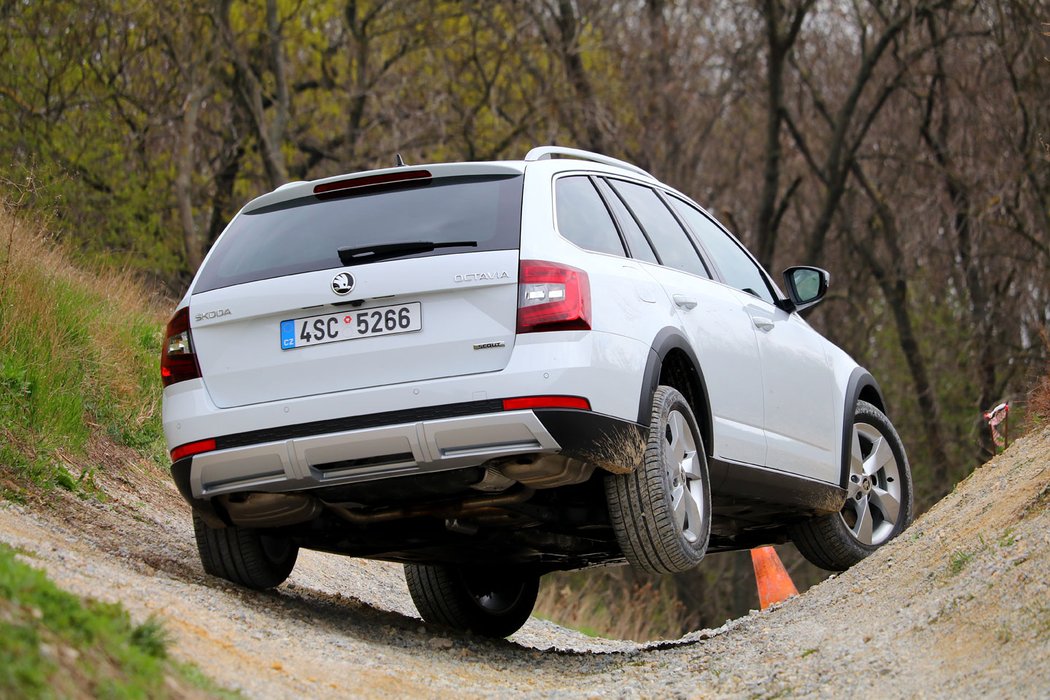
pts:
[398, 160]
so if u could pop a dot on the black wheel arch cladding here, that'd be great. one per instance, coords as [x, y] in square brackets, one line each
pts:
[861, 386]
[667, 341]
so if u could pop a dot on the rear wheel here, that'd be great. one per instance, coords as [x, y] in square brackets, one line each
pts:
[879, 497]
[244, 555]
[492, 604]
[661, 512]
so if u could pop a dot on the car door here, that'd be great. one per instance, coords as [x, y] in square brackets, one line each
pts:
[798, 383]
[722, 336]
[624, 297]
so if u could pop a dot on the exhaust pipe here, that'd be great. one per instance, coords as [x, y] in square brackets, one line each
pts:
[271, 509]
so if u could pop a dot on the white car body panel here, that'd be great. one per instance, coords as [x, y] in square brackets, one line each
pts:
[725, 344]
[801, 412]
[241, 356]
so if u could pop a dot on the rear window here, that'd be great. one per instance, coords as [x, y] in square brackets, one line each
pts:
[304, 235]
[583, 218]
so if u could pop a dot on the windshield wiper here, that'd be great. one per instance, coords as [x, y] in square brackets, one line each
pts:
[386, 251]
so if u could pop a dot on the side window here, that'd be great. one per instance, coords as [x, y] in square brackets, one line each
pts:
[583, 218]
[670, 240]
[641, 248]
[734, 264]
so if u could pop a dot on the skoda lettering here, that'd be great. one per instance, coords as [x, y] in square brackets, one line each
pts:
[210, 315]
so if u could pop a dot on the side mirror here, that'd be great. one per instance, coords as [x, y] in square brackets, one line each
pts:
[806, 285]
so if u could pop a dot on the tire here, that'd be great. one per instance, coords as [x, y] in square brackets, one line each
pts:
[879, 502]
[487, 603]
[661, 511]
[244, 556]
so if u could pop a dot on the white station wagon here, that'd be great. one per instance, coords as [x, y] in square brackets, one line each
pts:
[491, 371]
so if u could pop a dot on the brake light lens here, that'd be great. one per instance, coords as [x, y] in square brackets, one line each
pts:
[527, 402]
[192, 448]
[338, 188]
[177, 359]
[552, 297]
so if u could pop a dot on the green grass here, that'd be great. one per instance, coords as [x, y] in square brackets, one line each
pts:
[958, 561]
[78, 366]
[54, 645]
[80, 356]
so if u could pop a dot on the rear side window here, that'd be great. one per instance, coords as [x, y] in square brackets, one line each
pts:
[736, 266]
[669, 238]
[304, 235]
[640, 246]
[583, 218]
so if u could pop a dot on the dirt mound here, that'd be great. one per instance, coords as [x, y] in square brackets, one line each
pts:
[957, 606]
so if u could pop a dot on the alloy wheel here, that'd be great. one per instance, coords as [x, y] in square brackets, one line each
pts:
[873, 504]
[687, 487]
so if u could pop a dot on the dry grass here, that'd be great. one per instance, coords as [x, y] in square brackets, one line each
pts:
[78, 354]
[35, 273]
[607, 603]
[1039, 403]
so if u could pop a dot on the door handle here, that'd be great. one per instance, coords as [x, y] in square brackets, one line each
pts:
[684, 302]
[763, 324]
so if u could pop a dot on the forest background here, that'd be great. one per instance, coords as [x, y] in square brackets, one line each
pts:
[902, 145]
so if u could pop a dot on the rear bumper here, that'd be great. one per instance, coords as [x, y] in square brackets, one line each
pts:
[315, 460]
[351, 456]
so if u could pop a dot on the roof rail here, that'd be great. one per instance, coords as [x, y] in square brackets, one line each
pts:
[547, 152]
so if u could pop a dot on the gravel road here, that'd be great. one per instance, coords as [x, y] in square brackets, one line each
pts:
[959, 605]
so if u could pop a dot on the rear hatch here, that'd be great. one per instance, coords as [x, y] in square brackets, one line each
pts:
[364, 281]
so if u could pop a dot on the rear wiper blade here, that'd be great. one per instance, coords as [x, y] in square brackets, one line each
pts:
[386, 251]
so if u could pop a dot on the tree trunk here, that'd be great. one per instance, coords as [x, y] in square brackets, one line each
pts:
[249, 91]
[568, 24]
[779, 43]
[893, 284]
[225, 179]
[184, 167]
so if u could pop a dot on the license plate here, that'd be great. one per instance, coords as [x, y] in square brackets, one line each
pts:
[351, 325]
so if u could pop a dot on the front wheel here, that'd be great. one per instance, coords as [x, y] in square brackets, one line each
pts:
[879, 497]
[485, 602]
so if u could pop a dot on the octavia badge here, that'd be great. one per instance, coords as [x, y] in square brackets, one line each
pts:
[343, 283]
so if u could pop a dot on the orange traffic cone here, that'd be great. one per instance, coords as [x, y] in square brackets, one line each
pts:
[774, 583]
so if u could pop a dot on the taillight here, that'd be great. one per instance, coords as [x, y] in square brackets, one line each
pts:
[553, 297]
[177, 361]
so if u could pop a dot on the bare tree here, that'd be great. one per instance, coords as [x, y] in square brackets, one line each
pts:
[560, 24]
[247, 83]
[782, 27]
[868, 91]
